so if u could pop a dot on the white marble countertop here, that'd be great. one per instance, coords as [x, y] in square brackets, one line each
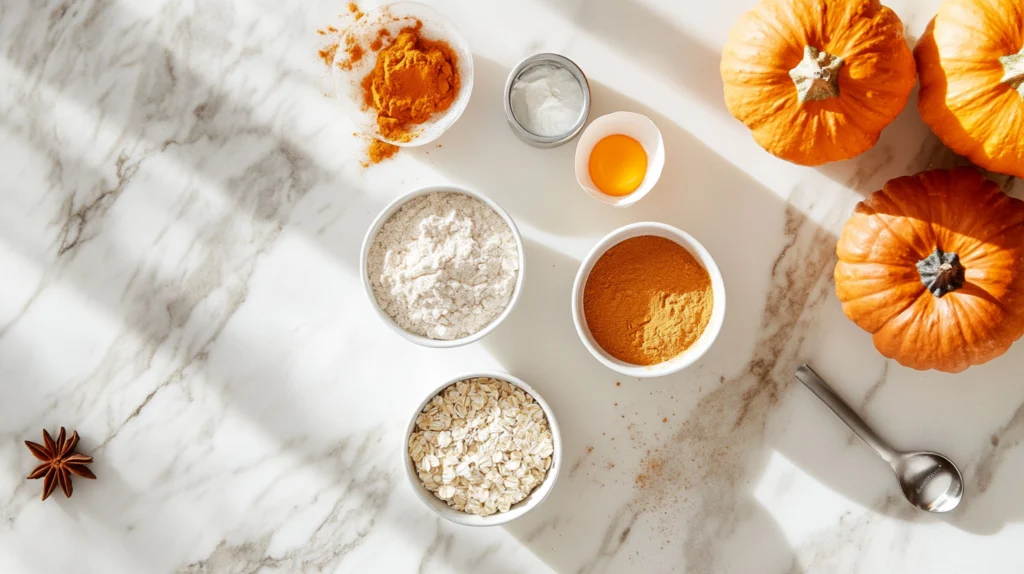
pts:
[180, 217]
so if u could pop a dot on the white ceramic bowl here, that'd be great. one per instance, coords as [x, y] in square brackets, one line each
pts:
[435, 27]
[699, 347]
[371, 235]
[636, 126]
[522, 507]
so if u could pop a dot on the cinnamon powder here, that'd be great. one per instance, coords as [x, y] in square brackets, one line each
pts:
[647, 300]
[328, 52]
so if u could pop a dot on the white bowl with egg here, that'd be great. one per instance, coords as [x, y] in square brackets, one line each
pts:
[690, 355]
[371, 236]
[636, 126]
[394, 17]
[519, 509]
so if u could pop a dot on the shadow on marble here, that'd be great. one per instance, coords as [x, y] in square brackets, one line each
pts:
[106, 517]
[721, 435]
[283, 177]
[693, 67]
[906, 146]
[869, 171]
[213, 133]
[701, 427]
[175, 319]
[173, 112]
[556, 204]
[654, 42]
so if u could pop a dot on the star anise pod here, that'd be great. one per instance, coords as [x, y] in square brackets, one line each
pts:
[59, 462]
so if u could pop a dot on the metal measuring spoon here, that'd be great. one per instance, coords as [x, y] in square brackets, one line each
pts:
[929, 480]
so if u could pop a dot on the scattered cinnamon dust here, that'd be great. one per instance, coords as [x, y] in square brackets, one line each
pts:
[355, 53]
[378, 42]
[328, 52]
[336, 39]
[652, 470]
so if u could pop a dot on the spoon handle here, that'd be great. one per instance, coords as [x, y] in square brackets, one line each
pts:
[806, 375]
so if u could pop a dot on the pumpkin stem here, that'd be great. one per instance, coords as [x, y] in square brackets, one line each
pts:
[1013, 71]
[817, 75]
[941, 272]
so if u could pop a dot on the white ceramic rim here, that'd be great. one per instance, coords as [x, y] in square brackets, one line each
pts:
[700, 346]
[371, 235]
[520, 508]
[435, 26]
[655, 157]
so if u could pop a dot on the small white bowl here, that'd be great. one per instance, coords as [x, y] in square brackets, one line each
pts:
[699, 347]
[636, 126]
[391, 209]
[400, 15]
[522, 507]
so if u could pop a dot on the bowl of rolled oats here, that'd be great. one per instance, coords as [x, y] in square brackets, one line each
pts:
[483, 449]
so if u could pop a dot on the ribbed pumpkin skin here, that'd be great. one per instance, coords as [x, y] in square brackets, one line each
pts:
[962, 97]
[874, 82]
[879, 286]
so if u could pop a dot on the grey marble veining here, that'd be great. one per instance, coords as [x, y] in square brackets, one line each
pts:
[180, 216]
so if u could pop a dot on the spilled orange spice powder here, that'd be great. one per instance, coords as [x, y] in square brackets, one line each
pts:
[353, 53]
[380, 151]
[328, 52]
[378, 42]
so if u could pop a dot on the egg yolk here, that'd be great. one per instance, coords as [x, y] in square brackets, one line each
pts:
[618, 165]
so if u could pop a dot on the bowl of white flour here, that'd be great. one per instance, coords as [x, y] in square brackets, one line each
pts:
[443, 266]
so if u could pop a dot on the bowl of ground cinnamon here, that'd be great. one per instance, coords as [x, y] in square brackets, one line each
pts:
[403, 73]
[649, 300]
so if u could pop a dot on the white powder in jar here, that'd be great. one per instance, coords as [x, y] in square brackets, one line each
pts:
[547, 100]
[444, 265]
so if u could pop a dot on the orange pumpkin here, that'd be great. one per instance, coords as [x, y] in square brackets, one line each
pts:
[817, 80]
[933, 266]
[971, 63]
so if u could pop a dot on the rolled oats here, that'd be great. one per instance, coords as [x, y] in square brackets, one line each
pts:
[481, 445]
